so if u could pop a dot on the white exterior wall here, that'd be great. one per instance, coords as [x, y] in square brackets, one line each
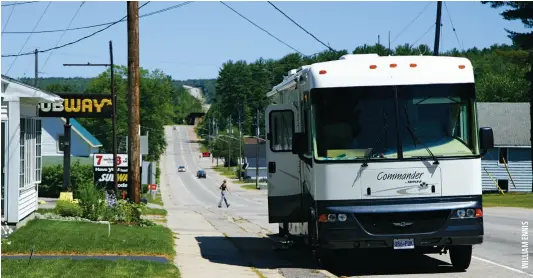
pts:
[23, 160]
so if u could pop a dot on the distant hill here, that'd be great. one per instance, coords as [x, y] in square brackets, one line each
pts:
[81, 83]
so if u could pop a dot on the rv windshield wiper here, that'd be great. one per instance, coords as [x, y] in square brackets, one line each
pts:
[385, 127]
[414, 136]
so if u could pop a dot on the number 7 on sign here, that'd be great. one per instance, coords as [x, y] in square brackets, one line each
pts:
[99, 159]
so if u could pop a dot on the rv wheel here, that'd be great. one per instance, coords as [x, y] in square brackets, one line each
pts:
[461, 255]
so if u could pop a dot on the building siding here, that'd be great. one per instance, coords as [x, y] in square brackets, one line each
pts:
[519, 166]
[52, 129]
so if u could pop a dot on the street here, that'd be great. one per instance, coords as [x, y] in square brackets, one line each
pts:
[235, 241]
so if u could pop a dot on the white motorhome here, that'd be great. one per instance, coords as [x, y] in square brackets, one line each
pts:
[378, 152]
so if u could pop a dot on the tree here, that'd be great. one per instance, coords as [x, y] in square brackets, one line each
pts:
[523, 11]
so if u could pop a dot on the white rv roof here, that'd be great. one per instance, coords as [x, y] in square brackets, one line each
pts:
[373, 70]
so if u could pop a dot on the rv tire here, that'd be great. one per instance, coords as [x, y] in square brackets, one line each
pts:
[461, 256]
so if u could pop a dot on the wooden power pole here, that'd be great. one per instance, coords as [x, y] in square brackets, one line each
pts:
[437, 29]
[133, 102]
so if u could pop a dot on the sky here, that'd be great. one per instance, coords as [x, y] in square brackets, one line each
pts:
[193, 41]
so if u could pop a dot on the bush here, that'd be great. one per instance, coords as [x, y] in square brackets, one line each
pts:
[92, 201]
[52, 178]
[68, 209]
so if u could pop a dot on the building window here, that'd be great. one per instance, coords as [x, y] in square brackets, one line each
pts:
[503, 156]
[28, 152]
[38, 151]
[61, 143]
[22, 151]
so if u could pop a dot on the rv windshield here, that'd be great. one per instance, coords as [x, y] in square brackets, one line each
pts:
[441, 116]
[349, 122]
[360, 122]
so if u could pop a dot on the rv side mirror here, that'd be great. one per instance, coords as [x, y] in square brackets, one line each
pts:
[486, 139]
[299, 143]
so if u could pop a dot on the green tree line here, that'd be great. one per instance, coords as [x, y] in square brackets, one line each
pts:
[242, 87]
[161, 104]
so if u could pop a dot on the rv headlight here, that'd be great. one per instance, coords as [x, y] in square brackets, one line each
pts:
[342, 217]
[332, 217]
[470, 212]
[460, 213]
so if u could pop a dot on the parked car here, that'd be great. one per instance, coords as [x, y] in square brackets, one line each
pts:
[206, 154]
[181, 168]
[201, 174]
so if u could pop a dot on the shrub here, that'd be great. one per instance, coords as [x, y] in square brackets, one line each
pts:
[52, 178]
[91, 200]
[129, 213]
[68, 209]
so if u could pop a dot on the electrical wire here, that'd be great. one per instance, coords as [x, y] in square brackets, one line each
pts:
[261, 28]
[101, 24]
[8, 18]
[73, 42]
[29, 36]
[453, 27]
[327, 46]
[19, 3]
[411, 23]
[425, 33]
[62, 35]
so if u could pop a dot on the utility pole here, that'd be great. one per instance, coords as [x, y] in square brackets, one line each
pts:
[257, 149]
[36, 68]
[437, 29]
[133, 101]
[230, 132]
[378, 46]
[240, 147]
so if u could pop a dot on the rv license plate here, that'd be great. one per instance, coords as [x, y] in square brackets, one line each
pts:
[404, 243]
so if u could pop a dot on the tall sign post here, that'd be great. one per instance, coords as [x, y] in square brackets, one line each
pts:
[114, 108]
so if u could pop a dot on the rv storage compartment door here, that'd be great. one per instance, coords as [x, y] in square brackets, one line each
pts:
[284, 190]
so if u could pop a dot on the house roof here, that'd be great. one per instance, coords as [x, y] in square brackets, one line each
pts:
[84, 133]
[17, 89]
[509, 122]
[252, 141]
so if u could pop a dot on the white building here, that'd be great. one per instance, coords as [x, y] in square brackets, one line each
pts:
[21, 148]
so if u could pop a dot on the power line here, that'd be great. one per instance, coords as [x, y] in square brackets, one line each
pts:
[62, 35]
[9, 17]
[101, 24]
[17, 3]
[425, 33]
[29, 36]
[73, 42]
[411, 23]
[453, 27]
[327, 46]
[261, 28]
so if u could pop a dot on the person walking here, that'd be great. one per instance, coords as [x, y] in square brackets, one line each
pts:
[223, 188]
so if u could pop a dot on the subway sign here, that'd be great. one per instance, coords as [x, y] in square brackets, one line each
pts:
[78, 106]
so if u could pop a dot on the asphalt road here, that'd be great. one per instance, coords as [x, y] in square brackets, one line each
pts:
[245, 225]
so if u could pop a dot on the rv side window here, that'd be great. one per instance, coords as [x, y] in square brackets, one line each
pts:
[281, 129]
[307, 124]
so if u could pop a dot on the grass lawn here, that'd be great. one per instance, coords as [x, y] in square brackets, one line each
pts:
[157, 200]
[225, 172]
[249, 186]
[51, 237]
[520, 200]
[155, 211]
[86, 268]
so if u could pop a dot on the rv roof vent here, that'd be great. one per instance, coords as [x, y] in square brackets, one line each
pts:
[358, 56]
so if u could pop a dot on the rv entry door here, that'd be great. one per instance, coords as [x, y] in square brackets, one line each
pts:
[284, 190]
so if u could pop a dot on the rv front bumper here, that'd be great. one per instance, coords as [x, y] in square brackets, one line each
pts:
[403, 226]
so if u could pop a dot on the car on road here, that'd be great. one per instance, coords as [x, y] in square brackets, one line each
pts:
[201, 174]
[181, 168]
